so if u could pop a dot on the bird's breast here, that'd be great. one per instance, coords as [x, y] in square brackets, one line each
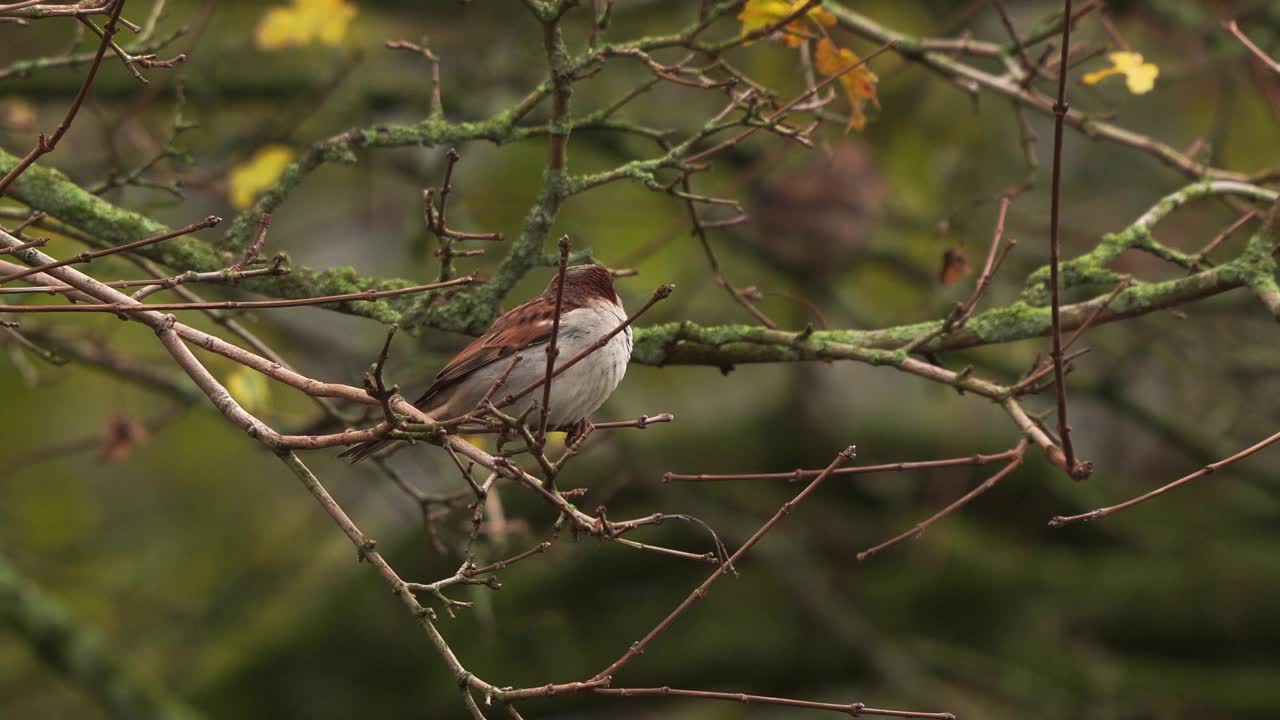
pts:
[583, 388]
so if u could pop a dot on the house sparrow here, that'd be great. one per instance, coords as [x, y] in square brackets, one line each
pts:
[589, 309]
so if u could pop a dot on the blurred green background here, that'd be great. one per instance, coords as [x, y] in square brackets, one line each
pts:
[207, 569]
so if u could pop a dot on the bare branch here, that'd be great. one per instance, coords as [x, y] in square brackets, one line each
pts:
[1062, 520]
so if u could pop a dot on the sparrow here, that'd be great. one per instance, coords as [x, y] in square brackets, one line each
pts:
[589, 309]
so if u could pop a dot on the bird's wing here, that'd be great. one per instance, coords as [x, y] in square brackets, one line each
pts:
[525, 326]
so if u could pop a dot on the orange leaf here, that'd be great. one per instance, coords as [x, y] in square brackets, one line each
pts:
[859, 83]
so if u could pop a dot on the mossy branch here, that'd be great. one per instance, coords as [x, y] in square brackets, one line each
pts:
[688, 343]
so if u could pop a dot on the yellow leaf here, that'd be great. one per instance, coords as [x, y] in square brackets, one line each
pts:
[304, 22]
[757, 14]
[555, 441]
[257, 173]
[859, 83]
[251, 389]
[481, 441]
[1139, 76]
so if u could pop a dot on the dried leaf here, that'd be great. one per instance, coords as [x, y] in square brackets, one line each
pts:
[955, 265]
[122, 436]
[859, 83]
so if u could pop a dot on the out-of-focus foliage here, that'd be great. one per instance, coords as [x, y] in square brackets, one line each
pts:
[859, 83]
[304, 22]
[206, 567]
[759, 14]
[257, 173]
[1139, 76]
[857, 80]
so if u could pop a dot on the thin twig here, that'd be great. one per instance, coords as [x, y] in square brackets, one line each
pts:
[961, 313]
[1015, 461]
[641, 422]
[850, 709]
[215, 276]
[85, 257]
[255, 247]
[797, 475]
[782, 111]
[700, 592]
[366, 295]
[1234, 29]
[47, 144]
[1210, 469]
[552, 352]
[1075, 468]
[38, 242]
[1200, 259]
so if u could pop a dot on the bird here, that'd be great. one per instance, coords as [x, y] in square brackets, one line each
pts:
[589, 310]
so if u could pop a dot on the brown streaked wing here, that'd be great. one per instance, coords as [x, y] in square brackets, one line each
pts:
[524, 326]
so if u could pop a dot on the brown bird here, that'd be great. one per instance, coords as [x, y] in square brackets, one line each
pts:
[589, 309]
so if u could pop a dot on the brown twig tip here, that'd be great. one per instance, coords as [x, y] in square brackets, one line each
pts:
[639, 423]
[1058, 521]
[664, 292]
[1082, 470]
[1209, 469]
[564, 244]
[1231, 27]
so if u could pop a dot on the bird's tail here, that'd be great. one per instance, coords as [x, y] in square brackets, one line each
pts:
[367, 448]
[372, 447]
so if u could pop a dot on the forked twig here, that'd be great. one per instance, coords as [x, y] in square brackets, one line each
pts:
[699, 592]
[1015, 461]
